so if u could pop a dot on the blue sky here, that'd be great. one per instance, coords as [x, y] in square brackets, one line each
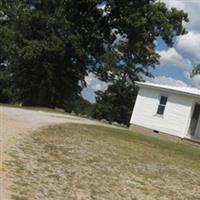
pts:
[176, 63]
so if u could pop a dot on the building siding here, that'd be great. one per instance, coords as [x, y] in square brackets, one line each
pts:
[175, 119]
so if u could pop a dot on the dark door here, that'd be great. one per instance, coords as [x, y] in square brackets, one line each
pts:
[194, 120]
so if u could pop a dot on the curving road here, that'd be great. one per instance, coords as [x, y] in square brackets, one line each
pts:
[15, 123]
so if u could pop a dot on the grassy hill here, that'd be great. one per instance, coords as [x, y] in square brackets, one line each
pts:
[92, 162]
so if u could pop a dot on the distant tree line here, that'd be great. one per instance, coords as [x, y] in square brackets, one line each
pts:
[47, 48]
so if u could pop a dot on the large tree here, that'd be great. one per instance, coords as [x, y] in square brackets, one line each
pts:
[137, 24]
[51, 45]
[116, 103]
[134, 52]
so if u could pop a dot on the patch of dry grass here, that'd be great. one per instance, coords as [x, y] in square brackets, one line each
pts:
[34, 108]
[93, 162]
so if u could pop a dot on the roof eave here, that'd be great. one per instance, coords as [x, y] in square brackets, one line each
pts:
[174, 91]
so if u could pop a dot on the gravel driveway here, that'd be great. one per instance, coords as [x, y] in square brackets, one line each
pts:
[16, 122]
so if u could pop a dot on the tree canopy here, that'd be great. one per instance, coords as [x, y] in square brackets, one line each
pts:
[196, 71]
[49, 46]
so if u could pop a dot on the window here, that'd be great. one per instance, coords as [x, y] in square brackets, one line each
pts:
[162, 104]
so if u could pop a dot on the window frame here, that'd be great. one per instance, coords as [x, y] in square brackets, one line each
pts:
[161, 105]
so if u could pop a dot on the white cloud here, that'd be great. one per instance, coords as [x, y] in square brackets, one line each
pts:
[175, 3]
[195, 80]
[171, 58]
[94, 83]
[166, 81]
[192, 7]
[189, 45]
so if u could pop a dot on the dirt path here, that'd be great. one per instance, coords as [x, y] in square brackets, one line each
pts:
[15, 123]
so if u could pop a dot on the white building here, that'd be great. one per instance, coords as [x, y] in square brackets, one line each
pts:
[167, 109]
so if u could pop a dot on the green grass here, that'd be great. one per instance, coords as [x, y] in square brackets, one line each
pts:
[91, 162]
[165, 145]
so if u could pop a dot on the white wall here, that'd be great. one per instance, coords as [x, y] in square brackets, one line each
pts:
[176, 116]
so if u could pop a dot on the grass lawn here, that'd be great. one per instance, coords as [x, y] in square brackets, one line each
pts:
[69, 162]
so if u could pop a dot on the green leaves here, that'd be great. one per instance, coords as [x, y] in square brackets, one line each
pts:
[196, 71]
[141, 22]
[50, 45]
[116, 103]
